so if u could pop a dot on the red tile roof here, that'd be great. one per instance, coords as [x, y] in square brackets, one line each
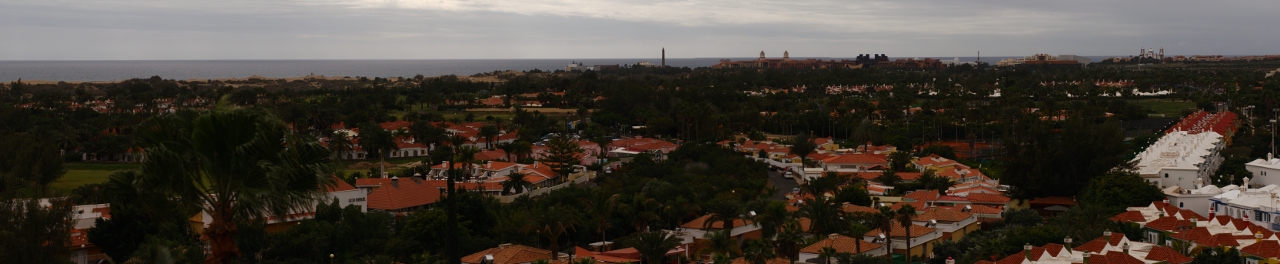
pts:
[1129, 216]
[509, 254]
[842, 244]
[393, 125]
[1223, 239]
[898, 232]
[339, 186]
[700, 223]
[769, 261]
[988, 198]
[1168, 255]
[1168, 223]
[1264, 248]
[856, 159]
[404, 193]
[1114, 257]
[922, 195]
[942, 214]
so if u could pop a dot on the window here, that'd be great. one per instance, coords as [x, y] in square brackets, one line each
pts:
[1166, 175]
[1180, 205]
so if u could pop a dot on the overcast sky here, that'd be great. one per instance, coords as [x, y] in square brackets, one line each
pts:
[493, 29]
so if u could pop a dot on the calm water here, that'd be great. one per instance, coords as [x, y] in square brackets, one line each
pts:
[215, 69]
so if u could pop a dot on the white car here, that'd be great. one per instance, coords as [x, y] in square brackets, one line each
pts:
[788, 175]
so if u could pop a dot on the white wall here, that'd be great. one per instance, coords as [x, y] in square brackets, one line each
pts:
[1181, 177]
[1262, 175]
[1198, 203]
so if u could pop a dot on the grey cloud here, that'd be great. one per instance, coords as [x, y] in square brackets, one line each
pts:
[409, 29]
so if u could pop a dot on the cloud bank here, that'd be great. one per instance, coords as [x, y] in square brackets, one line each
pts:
[492, 29]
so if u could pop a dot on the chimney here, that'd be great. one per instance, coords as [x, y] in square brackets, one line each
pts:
[395, 182]
[833, 236]
[1212, 212]
[504, 246]
[1106, 233]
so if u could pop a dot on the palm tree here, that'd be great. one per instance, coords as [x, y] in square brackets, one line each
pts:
[653, 246]
[723, 211]
[771, 217]
[789, 240]
[508, 148]
[757, 251]
[856, 229]
[340, 144]
[234, 164]
[903, 217]
[827, 253]
[824, 213]
[642, 211]
[489, 132]
[522, 149]
[864, 132]
[803, 146]
[719, 243]
[515, 184]
[884, 222]
[601, 206]
[551, 223]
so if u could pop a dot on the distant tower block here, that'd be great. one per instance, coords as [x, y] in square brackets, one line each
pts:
[762, 54]
[786, 55]
[664, 57]
[1161, 53]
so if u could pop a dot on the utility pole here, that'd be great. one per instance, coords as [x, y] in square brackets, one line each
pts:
[1273, 129]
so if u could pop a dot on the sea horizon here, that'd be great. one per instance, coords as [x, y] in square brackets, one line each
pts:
[119, 70]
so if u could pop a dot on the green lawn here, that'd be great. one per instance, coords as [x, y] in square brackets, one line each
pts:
[1166, 107]
[86, 173]
[75, 178]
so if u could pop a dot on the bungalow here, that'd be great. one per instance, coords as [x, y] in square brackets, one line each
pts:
[953, 224]
[400, 196]
[841, 244]
[855, 163]
[921, 239]
[508, 254]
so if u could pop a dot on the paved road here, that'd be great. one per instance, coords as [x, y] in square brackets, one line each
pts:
[783, 185]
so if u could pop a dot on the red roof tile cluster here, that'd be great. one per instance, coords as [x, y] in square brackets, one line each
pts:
[897, 231]
[1114, 257]
[922, 195]
[402, 193]
[488, 155]
[1168, 223]
[988, 198]
[842, 244]
[1097, 245]
[1264, 248]
[871, 175]
[1168, 255]
[509, 254]
[942, 215]
[1129, 216]
[857, 158]
[701, 223]
[339, 186]
[1223, 123]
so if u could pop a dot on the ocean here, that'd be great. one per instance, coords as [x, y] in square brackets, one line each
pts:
[217, 69]
[79, 71]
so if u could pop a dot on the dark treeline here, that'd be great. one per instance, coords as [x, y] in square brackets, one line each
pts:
[1043, 117]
